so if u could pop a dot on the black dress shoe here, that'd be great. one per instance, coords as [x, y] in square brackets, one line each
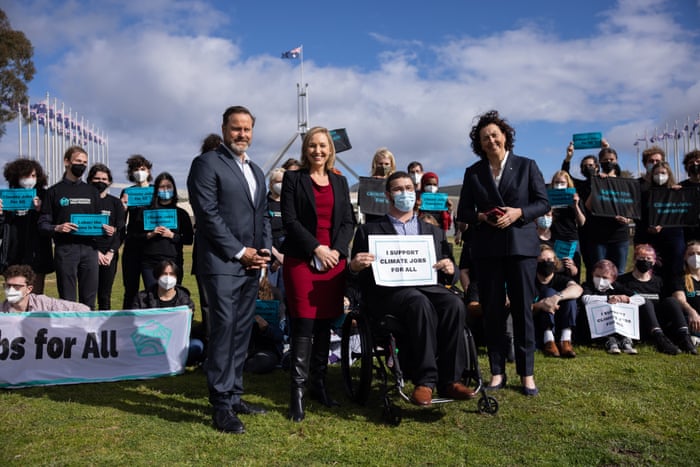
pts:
[227, 421]
[245, 408]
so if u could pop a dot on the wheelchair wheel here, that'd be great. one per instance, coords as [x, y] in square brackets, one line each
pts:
[356, 357]
[488, 404]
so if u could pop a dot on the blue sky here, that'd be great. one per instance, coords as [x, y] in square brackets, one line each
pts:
[411, 76]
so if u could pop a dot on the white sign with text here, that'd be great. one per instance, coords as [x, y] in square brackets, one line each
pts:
[605, 319]
[403, 260]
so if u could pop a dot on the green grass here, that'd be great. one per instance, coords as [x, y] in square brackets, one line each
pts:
[594, 410]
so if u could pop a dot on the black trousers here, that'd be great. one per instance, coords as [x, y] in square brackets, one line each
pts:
[434, 320]
[105, 283]
[514, 275]
[76, 272]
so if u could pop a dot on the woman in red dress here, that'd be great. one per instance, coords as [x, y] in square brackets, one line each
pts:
[317, 215]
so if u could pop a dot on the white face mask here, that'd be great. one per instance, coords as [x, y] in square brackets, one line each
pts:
[560, 186]
[167, 282]
[660, 179]
[430, 188]
[13, 295]
[140, 176]
[416, 177]
[693, 261]
[277, 188]
[601, 284]
[28, 182]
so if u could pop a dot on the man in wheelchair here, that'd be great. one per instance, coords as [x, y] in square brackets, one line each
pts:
[433, 316]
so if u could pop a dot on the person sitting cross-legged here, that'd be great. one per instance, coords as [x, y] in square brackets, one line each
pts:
[433, 316]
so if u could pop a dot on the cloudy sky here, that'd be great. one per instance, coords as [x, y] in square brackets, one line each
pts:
[156, 75]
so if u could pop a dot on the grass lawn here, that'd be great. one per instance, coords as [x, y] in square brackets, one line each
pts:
[594, 410]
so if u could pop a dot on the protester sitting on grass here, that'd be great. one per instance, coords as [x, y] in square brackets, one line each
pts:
[555, 306]
[166, 294]
[604, 288]
[657, 311]
[266, 347]
[19, 297]
[687, 287]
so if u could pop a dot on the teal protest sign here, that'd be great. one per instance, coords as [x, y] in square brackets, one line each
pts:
[139, 196]
[153, 218]
[561, 198]
[269, 310]
[565, 249]
[89, 224]
[587, 140]
[17, 199]
[433, 201]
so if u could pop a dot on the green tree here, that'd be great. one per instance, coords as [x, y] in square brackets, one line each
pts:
[16, 70]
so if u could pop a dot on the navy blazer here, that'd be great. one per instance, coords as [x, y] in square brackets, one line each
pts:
[227, 218]
[298, 206]
[522, 186]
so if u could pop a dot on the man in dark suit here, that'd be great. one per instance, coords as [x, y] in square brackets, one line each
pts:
[501, 195]
[227, 192]
[433, 316]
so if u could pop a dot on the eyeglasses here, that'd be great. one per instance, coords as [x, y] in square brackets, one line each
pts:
[15, 286]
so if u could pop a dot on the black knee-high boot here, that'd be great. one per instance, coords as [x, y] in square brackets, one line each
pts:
[299, 371]
[319, 367]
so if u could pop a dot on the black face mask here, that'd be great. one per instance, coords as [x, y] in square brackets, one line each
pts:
[77, 169]
[693, 169]
[643, 265]
[607, 166]
[589, 172]
[545, 268]
[101, 186]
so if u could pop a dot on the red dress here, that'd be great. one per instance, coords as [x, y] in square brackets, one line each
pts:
[310, 293]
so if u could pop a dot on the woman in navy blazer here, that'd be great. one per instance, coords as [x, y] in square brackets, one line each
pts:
[317, 216]
[502, 195]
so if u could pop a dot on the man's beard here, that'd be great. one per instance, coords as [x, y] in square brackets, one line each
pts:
[236, 149]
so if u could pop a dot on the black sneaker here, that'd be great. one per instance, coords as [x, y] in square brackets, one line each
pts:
[227, 421]
[664, 344]
[685, 342]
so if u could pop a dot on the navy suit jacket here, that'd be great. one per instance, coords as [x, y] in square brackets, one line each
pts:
[298, 205]
[227, 218]
[521, 186]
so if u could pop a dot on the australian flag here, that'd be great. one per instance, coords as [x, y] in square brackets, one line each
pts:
[294, 53]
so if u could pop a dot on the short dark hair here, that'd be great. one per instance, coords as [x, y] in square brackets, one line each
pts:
[72, 150]
[20, 270]
[237, 109]
[413, 165]
[134, 162]
[160, 267]
[211, 142]
[99, 168]
[485, 120]
[394, 176]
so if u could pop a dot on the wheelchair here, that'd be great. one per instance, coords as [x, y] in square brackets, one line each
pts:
[369, 347]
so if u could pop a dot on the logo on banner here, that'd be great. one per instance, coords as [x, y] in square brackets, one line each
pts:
[151, 339]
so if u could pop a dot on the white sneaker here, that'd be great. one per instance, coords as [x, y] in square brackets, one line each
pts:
[627, 348]
[611, 346]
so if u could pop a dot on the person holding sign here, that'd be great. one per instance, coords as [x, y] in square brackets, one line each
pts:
[100, 177]
[20, 296]
[444, 215]
[667, 240]
[502, 195]
[317, 216]
[567, 219]
[434, 317]
[21, 241]
[691, 162]
[167, 228]
[135, 199]
[603, 288]
[75, 255]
